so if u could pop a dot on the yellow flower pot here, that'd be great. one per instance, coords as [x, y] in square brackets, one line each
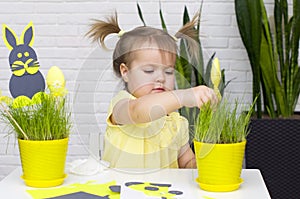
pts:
[219, 166]
[43, 162]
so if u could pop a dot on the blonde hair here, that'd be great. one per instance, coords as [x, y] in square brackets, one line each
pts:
[143, 37]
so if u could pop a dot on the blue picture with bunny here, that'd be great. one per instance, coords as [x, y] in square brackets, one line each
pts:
[26, 79]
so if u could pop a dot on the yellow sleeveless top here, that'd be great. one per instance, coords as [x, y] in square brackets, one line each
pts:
[149, 145]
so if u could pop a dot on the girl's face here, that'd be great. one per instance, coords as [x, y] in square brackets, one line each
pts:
[150, 71]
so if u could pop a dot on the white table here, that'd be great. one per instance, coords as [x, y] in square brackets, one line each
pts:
[253, 186]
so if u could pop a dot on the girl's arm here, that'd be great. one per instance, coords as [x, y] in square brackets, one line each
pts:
[187, 157]
[154, 106]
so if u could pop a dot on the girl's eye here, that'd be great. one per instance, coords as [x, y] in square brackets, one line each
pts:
[148, 70]
[169, 71]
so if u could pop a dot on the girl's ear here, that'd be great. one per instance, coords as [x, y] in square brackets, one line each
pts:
[124, 71]
[9, 37]
[27, 37]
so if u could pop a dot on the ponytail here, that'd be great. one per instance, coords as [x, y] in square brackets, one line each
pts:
[189, 34]
[101, 29]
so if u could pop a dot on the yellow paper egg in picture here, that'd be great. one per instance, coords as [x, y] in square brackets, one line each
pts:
[56, 81]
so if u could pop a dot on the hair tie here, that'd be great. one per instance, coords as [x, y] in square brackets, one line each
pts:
[121, 33]
[174, 37]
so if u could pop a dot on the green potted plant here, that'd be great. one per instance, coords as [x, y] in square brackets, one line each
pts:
[220, 140]
[276, 81]
[42, 126]
[274, 60]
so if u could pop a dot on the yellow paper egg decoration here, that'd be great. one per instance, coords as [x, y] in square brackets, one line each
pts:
[56, 81]
[215, 76]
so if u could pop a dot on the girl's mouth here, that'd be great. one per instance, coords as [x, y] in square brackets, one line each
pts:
[158, 89]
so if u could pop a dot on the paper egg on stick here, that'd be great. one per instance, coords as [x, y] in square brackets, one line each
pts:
[216, 76]
[56, 81]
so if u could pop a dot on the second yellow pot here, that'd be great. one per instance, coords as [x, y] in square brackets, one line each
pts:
[219, 165]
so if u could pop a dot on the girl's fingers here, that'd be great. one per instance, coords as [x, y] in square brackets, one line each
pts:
[213, 97]
[203, 100]
[201, 96]
[208, 96]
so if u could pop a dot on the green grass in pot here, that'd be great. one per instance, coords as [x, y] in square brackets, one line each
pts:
[223, 123]
[47, 118]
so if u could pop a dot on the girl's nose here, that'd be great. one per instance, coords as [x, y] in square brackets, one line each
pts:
[160, 77]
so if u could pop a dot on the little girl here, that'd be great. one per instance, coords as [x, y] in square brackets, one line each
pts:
[143, 128]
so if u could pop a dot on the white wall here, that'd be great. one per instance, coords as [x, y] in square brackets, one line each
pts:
[60, 26]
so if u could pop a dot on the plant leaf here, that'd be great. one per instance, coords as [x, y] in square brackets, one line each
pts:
[140, 13]
[295, 53]
[207, 79]
[248, 14]
[163, 24]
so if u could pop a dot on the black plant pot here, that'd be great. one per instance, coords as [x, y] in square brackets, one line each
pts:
[273, 146]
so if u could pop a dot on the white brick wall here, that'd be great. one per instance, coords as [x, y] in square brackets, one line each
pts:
[60, 26]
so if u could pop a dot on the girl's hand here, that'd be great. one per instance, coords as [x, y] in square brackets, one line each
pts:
[198, 96]
[186, 157]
